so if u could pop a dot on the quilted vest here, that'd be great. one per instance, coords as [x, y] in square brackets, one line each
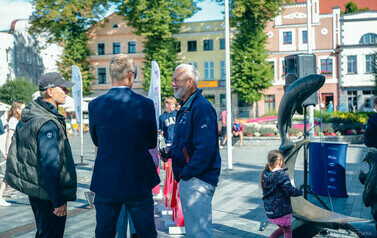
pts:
[24, 171]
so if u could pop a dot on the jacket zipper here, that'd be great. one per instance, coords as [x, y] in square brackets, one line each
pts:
[186, 155]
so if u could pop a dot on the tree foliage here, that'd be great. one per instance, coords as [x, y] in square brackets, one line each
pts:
[351, 7]
[157, 21]
[65, 22]
[251, 73]
[19, 89]
[76, 53]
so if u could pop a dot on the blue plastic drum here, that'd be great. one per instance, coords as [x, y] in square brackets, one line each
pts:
[327, 168]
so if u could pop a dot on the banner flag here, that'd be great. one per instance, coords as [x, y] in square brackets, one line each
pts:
[154, 92]
[77, 92]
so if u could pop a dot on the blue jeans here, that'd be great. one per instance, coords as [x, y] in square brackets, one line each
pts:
[123, 221]
[196, 200]
[141, 209]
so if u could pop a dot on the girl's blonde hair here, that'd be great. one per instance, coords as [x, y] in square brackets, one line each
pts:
[13, 110]
[272, 158]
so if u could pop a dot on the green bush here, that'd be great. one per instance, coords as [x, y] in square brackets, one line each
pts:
[250, 129]
[265, 131]
[19, 89]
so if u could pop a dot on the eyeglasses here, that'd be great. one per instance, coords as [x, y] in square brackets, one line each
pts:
[134, 74]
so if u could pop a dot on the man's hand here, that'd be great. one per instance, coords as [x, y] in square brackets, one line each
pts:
[61, 211]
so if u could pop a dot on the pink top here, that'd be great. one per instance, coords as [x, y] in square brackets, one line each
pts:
[282, 221]
[223, 118]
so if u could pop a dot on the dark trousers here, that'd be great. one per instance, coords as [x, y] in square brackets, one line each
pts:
[141, 209]
[48, 224]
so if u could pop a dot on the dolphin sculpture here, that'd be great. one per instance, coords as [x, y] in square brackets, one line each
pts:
[370, 181]
[291, 102]
[310, 219]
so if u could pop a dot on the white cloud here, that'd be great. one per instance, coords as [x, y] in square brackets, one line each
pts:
[13, 9]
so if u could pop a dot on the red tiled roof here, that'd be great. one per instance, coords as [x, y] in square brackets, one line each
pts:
[325, 6]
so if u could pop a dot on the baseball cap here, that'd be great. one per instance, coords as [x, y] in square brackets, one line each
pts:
[52, 80]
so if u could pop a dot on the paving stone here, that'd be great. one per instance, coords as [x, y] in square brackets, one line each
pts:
[237, 206]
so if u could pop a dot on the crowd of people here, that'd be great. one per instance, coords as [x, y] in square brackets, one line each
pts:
[124, 129]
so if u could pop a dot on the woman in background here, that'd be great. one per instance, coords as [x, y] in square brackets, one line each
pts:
[14, 115]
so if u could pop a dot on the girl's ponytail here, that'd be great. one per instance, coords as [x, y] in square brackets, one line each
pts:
[266, 168]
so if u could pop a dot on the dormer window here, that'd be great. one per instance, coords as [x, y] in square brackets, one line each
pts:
[369, 38]
[115, 26]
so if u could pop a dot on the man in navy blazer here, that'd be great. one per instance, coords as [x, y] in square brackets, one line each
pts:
[123, 127]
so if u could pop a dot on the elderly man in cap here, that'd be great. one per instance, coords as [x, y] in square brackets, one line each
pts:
[40, 162]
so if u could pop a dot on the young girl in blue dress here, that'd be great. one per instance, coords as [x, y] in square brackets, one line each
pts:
[277, 190]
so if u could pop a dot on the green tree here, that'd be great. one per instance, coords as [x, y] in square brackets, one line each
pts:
[76, 53]
[157, 21]
[65, 22]
[351, 7]
[18, 89]
[251, 73]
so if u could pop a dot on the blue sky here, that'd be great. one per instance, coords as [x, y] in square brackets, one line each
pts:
[21, 9]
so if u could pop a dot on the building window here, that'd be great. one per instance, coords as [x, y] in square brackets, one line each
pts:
[222, 69]
[207, 44]
[101, 49]
[132, 47]
[272, 65]
[283, 68]
[222, 44]
[177, 46]
[269, 103]
[115, 26]
[101, 75]
[370, 61]
[369, 38]
[194, 64]
[191, 45]
[208, 70]
[326, 66]
[351, 64]
[304, 36]
[116, 48]
[287, 37]
[210, 98]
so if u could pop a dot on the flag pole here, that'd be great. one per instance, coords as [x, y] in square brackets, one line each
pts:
[228, 90]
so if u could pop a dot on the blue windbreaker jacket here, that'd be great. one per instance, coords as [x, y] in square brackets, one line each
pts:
[195, 149]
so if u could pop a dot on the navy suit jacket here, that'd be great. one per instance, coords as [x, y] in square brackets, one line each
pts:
[123, 127]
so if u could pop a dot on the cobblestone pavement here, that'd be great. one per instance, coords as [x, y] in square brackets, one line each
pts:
[237, 206]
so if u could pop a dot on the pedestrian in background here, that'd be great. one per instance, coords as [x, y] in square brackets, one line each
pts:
[123, 127]
[48, 174]
[370, 135]
[14, 115]
[167, 120]
[195, 152]
[277, 190]
[238, 130]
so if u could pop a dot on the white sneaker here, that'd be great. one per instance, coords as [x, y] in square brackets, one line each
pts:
[4, 203]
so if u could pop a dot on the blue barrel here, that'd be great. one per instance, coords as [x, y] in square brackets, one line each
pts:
[327, 168]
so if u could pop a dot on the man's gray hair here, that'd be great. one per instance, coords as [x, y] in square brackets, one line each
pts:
[43, 93]
[120, 66]
[191, 70]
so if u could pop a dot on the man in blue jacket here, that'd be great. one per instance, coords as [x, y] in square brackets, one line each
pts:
[123, 127]
[195, 152]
